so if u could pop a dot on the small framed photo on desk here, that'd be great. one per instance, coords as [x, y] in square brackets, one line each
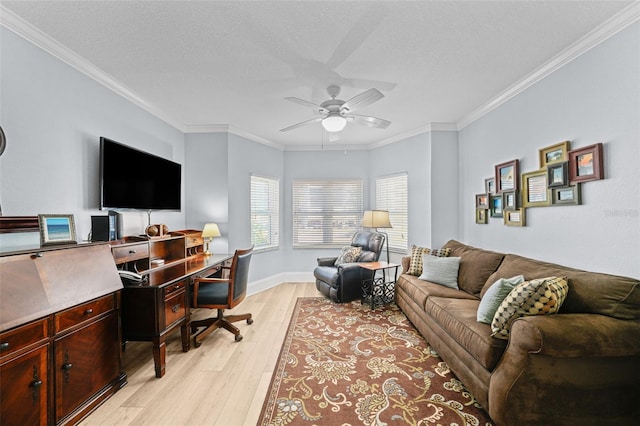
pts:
[57, 229]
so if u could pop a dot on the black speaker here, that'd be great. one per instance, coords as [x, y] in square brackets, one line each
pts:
[100, 228]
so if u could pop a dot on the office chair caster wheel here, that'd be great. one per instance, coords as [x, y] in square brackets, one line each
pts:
[250, 321]
[196, 344]
[238, 337]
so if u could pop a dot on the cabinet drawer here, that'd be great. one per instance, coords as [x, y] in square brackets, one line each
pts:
[23, 336]
[74, 316]
[175, 307]
[193, 240]
[175, 287]
[128, 253]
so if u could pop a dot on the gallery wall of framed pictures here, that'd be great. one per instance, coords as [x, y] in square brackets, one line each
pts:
[508, 193]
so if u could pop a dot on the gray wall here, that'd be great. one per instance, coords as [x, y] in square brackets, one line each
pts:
[53, 117]
[595, 98]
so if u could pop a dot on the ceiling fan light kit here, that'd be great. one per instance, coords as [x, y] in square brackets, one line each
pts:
[334, 123]
[335, 113]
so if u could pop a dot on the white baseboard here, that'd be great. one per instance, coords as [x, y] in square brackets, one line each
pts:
[274, 280]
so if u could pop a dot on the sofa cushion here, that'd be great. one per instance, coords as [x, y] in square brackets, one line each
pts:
[457, 317]
[415, 264]
[348, 254]
[476, 265]
[440, 270]
[420, 290]
[589, 292]
[494, 296]
[536, 297]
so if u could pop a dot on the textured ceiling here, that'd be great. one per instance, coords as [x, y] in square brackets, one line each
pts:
[208, 63]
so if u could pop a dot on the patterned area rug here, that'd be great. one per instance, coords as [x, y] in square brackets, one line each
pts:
[345, 364]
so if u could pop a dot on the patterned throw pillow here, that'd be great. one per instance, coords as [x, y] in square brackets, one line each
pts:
[494, 296]
[536, 297]
[348, 254]
[415, 265]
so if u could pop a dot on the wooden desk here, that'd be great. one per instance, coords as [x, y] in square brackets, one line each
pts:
[153, 309]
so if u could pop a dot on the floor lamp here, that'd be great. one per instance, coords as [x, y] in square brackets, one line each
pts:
[378, 219]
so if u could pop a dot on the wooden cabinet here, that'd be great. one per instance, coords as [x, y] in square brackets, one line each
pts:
[60, 334]
[24, 377]
[153, 309]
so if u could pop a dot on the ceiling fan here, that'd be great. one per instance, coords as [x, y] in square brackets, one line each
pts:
[335, 113]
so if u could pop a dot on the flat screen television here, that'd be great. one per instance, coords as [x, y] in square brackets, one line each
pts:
[133, 179]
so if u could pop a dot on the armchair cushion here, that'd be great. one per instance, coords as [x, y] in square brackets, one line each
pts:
[348, 254]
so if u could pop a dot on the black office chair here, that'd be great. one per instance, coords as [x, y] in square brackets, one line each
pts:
[221, 294]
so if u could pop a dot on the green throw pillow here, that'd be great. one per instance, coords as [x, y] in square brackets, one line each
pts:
[415, 264]
[494, 297]
[348, 254]
[440, 270]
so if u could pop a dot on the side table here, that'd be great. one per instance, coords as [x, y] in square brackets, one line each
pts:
[379, 289]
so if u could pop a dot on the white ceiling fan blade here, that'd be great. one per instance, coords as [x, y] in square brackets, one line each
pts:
[304, 123]
[363, 99]
[316, 108]
[377, 123]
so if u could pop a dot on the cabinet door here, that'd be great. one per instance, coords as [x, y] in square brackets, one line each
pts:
[23, 380]
[85, 361]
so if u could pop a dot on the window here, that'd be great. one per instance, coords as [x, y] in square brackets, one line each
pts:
[265, 212]
[326, 212]
[391, 195]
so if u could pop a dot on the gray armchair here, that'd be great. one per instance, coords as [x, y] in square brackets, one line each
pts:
[343, 283]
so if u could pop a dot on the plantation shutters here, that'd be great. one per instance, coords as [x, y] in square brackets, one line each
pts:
[265, 212]
[392, 195]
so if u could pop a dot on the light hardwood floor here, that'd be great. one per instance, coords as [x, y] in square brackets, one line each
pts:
[223, 382]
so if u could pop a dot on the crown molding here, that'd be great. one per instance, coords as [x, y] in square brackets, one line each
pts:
[19, 26]
[614, 25]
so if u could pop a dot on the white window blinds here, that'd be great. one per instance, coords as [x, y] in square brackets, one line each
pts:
[392, 195]
[265, 212]
[326, 212]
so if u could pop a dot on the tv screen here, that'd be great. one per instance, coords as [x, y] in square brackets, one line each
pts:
[134, 179]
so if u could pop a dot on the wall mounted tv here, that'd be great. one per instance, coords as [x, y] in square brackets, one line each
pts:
[134, 179]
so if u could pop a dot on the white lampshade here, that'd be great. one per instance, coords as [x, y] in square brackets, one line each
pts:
[334, 123]
[211, 230]
[376, 219]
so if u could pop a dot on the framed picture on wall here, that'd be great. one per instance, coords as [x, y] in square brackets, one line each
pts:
[558, 174]
[507, 176]
[490, 185]
[510, 200]
[57, 229]
[535, 191]
[481, 216]
[482, 201]
[554, 154]
[495, 205]
[569, 195]
[514, 217]
[586, 164]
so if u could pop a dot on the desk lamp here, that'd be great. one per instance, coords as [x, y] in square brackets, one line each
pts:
[378, 219]
[208, 233]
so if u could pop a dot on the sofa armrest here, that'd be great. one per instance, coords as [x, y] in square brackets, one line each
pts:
[327, 261]
[593, 357]
[406, 261]
[575, 335]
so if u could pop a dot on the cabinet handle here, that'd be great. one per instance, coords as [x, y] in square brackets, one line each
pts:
[67, 366]
[4, 346]
[175, 308]
[36, 384]
[88, 311]
[132, 252]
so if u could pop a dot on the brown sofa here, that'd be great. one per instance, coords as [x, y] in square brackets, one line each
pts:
[580, 366]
